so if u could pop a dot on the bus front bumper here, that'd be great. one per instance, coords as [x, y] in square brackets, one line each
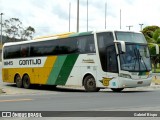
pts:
[130, 83]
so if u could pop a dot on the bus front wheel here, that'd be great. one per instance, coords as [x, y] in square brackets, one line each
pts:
[90, 84]
[26, 82]
[117, 89]
[18, 81]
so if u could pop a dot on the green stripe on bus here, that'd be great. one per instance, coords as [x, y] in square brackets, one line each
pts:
[66, 69]
[62, 69]
[56, 70]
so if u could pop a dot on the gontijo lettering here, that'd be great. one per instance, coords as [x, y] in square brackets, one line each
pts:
[30, 62]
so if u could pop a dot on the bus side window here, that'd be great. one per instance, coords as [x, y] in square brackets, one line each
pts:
[5, 53]
[91, 47]
[24, 51]
[86, 44]
[81, 44]
[13, 52]
[111, 59]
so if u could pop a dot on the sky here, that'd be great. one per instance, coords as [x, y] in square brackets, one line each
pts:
[52, 16]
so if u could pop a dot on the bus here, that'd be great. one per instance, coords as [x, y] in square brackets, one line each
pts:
[93, 60]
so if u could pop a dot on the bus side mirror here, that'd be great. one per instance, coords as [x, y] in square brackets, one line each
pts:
[123, 45]
[157, 48]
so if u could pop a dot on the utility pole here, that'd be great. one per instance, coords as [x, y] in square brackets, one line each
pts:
[105, 15]
[141, 26]
[87, 15]
[120, 19]
[1, 28]
[69, 15]
[77, 15]
[129, 27]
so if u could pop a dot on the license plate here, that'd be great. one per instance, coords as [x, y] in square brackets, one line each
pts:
[134, 73]
[140, 82]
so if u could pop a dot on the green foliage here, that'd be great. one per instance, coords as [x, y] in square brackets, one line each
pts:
[156, 36]
[152, 35]
[28, 32]
[148, 33]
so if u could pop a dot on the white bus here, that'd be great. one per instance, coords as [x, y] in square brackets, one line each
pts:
[95, 60]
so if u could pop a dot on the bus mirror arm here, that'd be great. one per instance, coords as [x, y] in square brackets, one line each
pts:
[123, 46]
[157, 48]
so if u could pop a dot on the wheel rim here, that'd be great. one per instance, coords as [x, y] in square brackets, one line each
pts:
[18, 81]
[26, 82]
[91, 83]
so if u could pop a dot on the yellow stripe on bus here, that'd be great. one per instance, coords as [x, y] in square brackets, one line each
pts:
[50, 61]
[38, 75]
[44, 72]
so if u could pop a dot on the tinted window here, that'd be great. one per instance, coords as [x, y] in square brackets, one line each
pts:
[73, 45]
[86, 44]
[12, 52]
[107, 52]
[24, 52]
[68, 46]
[111, 60]
[43, 48]
[104, 39]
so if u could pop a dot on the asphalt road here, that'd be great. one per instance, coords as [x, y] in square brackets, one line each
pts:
[62, 99]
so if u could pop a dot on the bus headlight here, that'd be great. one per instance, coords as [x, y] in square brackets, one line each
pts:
[124, 75]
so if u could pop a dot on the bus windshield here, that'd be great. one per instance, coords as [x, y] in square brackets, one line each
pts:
[136, 57]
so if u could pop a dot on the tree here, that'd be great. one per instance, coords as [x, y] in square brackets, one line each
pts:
[27, 33]
[148, 33]
[152, 35]
[13, 29]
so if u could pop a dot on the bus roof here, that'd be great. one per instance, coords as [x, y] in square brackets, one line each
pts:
[63, 35]
[50, 37]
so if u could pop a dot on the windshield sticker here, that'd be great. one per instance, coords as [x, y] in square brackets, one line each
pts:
[137, 46]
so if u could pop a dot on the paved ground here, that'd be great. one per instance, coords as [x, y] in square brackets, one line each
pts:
[11, 89]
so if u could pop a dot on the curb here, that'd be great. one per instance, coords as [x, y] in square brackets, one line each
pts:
[1, 91]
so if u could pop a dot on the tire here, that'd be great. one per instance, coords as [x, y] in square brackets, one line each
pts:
[54, 86]
[26, 82]
[18, 81]
[90, 84]
[117, 89]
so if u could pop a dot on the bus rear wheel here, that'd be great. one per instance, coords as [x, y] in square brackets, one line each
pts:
[26, 82]
[90, 84]
[117, 89]
[18, 81]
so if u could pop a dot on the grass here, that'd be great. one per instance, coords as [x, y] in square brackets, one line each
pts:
[156, 79]
[157, 71]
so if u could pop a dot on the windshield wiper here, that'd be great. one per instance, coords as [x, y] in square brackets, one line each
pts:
[136, 59]
[141, 58]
